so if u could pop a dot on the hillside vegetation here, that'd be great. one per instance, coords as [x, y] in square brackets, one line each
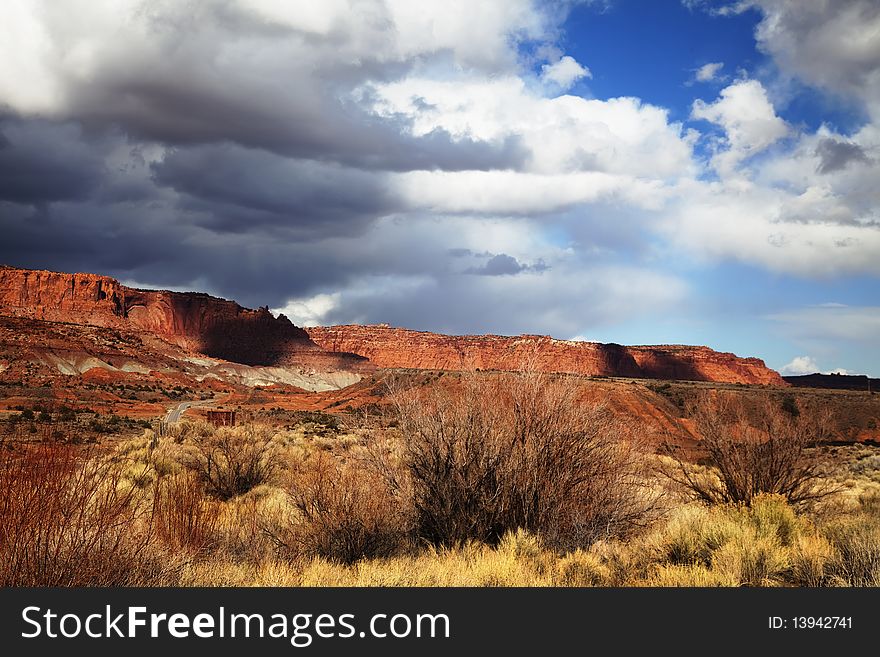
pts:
[500, 481]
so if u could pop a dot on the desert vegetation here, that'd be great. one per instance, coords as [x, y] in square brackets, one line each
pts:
[514, 480]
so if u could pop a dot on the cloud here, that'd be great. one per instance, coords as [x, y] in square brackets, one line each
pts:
[561, 302]
[708, 72]
[41, 162]
[800, 365]
[564, 134]
[247, 71]
[835, 155]
[748, 119]
[505, 265]
[236, 189]
[564, 73]
[830, 45]
[808, 234]
[402, 162]
[309, 311]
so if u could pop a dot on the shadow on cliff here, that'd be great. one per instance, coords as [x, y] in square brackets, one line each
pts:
[664, 365]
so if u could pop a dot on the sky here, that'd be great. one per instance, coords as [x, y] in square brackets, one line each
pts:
[630, 171]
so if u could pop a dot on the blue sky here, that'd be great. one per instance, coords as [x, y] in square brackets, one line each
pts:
[678, 171]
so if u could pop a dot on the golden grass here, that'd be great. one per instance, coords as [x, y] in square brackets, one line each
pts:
[765, 544]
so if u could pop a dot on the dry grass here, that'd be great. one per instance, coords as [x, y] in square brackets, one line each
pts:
[328, 517]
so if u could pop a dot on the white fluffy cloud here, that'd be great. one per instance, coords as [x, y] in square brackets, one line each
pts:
[309, 311]
[560, 135]
[515, 193]
[749, 121]
[564, 73]
[800, 365]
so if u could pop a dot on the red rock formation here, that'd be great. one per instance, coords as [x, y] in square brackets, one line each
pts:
[394, 347]
[194, 321]
[223, 329]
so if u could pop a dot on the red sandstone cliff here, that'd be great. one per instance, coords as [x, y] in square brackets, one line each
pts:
[194, 321]
[224, 329]
[393, 347]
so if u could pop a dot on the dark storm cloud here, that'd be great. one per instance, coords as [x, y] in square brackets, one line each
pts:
[157, 246]
[41, 162]
[221, 74]
[178, 112]
[201, 146]
[238, 189]
[236, 222]
[835, 155]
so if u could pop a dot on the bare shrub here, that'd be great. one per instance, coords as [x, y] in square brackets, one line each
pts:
[491, 454]
[767, 450]
[232, 461]
[66, 520]
[185, 519]
[346, 511]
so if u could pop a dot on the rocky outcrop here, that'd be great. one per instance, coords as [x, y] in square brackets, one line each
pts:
[223, 329]
[394, 347]
[194, 321]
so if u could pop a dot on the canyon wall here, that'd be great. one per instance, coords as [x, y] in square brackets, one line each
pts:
[223, 329]
[394, 347]
[195, 321]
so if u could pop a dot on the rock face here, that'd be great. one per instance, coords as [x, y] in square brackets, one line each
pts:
[393, 347]
[223, 329]
[194, 321]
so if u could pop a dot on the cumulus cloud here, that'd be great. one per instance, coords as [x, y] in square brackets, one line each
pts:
[564, 73]
[748, 119]
[309, 311]
[708, 72]
[831, 45]
[800, 365]
[561, 134]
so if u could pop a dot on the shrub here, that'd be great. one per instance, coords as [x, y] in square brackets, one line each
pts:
[185, 519]
[751, 560]
[580, 568]
[810, 556]
[689, 575]
[232, 461]
[346, 511]
[692, 535]
[492, 454]
[68, 521]
[767, 451]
